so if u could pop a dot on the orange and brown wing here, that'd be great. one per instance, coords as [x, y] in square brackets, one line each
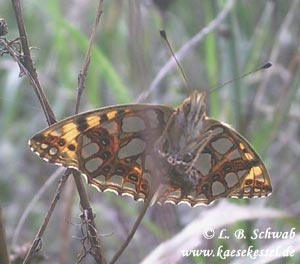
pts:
[227, 167]
[111, 147]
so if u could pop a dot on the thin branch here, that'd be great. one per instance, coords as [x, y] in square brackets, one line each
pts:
[85, 204]
[28, 64]
[36, 244]
[27, 67]
[133, 230]
[83, 72]
[32, 203]
[84, 201]
[67, 201]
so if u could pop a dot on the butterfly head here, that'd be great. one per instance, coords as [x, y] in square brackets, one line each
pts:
[192, 112]
[194, 105]
[190, 117]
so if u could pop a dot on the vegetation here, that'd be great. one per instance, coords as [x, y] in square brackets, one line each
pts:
[127, 56]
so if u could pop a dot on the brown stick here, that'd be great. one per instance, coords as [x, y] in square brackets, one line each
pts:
[83, 72]
[28, 64]
[28, 67]
[36, 244]
[134, 228]
[92, 230]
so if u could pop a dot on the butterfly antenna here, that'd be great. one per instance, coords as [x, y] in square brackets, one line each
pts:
[265, 66]
[163, 34]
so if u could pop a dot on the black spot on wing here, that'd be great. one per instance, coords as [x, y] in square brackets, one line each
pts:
[38, 137]
[103, 118]
[121, 112]
[61, 142]
[71, 147]
[81, 123]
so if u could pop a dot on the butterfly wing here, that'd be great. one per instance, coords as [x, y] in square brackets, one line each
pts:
[112, 147]
[226, 167]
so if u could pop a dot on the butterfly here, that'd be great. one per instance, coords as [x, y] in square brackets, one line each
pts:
[180, 154]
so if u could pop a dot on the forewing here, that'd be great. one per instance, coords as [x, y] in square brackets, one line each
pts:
[111, 146]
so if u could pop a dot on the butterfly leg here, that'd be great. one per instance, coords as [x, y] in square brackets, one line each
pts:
[203, 140]
[160, 141]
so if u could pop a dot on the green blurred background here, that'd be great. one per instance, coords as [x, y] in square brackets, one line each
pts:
[127, 55]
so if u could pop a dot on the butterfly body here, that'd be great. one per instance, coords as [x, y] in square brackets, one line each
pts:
[181, 154]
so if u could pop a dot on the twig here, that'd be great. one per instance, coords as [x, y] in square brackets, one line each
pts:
[36, 244]
[67, 201]
[83, 72]
[185, 49]
[85, 204]
[28, 64]
[134, 229]
[32, 203]
[94, 239]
